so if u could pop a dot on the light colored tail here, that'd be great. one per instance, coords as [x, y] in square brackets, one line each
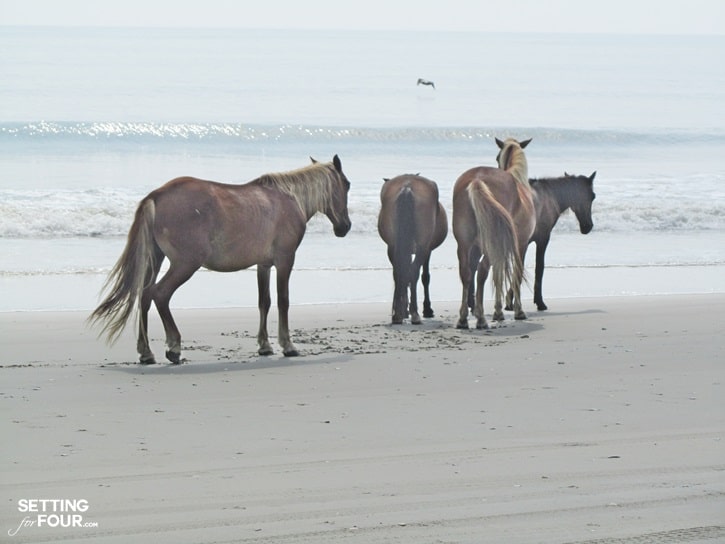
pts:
[497, 236]
[129, 276]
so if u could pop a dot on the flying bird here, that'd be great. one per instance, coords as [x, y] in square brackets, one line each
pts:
[422, 81]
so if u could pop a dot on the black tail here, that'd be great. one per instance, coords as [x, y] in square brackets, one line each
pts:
[404, 232]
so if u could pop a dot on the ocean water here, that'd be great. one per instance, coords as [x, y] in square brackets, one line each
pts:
[91, 120]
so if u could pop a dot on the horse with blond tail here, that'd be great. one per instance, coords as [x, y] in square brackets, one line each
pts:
[493, 219]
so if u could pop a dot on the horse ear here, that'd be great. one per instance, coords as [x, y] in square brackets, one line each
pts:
[525, 143]
[499, 143]
[386, 180]
[337, 163]
[593, 174]
[566, 174]
[313, 160]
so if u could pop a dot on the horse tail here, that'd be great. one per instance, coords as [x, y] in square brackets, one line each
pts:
[497, 234]
[405, 229]
[130, 275]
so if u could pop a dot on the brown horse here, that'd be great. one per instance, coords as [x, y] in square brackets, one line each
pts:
[411, 222]
[552, 197]
[221, 227]
[493, 218]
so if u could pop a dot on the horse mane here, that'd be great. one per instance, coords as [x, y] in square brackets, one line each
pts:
[310, 186]
[514, 161]
[544, 182]
[559, 180]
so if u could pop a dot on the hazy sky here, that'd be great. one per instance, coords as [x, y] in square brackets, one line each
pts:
[628, 16]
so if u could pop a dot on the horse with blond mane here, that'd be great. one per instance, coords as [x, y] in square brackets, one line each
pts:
[493, 219]
[221, 227]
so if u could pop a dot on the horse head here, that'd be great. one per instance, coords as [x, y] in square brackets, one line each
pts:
[583, 204]
[336, 210]
[512, 159]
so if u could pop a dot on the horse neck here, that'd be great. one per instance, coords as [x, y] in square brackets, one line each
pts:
[309, 186]
[563, 191]
[519, 169]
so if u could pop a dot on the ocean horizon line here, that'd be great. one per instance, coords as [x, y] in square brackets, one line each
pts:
[198, 131]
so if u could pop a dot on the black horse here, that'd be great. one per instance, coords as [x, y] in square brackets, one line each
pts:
[552, 197]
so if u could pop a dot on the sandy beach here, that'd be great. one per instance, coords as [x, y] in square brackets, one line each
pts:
[601, 420]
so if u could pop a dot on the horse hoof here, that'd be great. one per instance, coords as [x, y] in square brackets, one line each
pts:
[428, 313]
[498, 317]
[482, 325]
[541, 307]
[462, 325]
[174, 357]
[291, 353]
[147, 360]
[520, 316]
[415, 320]
[265, 351]
[397, 321]
[508, 308]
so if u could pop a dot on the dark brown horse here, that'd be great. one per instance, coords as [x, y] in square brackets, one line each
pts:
[221, 227]
[413, 223]
[552, 197]
[493, 218]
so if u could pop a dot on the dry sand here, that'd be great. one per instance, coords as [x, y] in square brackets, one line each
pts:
[600, 421]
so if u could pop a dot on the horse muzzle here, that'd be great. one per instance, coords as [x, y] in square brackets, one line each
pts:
[341, 229]
[586, 229]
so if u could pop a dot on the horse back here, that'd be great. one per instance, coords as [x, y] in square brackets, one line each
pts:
[501, 184]
[430, 223]
[228, 226]
[516, 198]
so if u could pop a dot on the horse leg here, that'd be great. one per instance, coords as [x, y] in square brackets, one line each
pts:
[539, 275]
[146, 356]
[498, 314]
[464, 271]
[517, 281]
[498, 306]
[425, 278]
[283, 275]
[414, 273]
[399, 289]
[510, 295]
[509, 305]
[474, 257]
[264, 303]
[483, 268]
[161, 293]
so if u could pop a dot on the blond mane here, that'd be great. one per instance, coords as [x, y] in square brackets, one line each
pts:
[311, 186]
[513, 160]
